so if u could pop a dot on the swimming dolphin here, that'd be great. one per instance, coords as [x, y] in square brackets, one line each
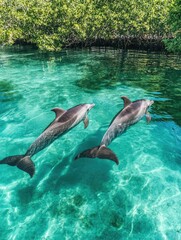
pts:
[64, 121]
[130, 114]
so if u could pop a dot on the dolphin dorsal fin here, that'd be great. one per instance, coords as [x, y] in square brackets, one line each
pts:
[126, 101]
[58, 111]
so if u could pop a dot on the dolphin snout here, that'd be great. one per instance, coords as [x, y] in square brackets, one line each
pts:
[91, 105]
[151, 102]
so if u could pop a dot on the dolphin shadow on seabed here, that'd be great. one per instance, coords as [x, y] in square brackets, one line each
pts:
[69, 172]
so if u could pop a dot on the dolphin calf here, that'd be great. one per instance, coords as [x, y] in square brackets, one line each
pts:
[130, 114]
[63, 122]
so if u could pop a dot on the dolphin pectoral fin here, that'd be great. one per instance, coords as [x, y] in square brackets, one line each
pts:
[27, 165]
[86, 122]
[148, 117]
[126, 101]
[58, 111]
[99, 152]
[22, 162]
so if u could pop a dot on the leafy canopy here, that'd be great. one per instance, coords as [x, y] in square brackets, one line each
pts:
[53, 24]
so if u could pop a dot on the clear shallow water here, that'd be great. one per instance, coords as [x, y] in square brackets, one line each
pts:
[90, 199]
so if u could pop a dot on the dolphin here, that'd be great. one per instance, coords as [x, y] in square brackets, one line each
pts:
[129, 115]
[63, 122]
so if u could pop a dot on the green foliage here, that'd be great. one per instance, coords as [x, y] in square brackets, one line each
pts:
[174, 21]
[53, 24]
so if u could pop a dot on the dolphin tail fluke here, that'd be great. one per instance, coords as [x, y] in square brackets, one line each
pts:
[99, 152]
[22, 162]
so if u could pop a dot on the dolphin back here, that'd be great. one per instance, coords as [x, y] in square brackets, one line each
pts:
[99, 152]
[22, 162]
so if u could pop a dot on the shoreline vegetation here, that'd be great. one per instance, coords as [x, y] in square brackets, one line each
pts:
[127, 42]
[52, 25]
[124, 42]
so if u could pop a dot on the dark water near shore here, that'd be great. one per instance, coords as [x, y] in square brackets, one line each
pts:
[91, 198]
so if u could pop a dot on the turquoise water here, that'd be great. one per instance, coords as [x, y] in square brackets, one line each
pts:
[90, 198]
